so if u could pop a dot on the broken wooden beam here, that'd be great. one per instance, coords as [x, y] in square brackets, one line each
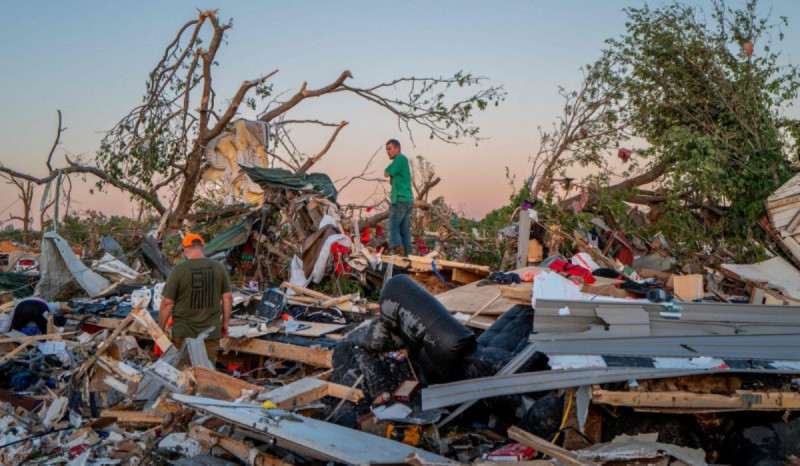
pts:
[210, 438]
[684, 401]
[541, 445]
[313, 356]
[310, 389]
[133, 418]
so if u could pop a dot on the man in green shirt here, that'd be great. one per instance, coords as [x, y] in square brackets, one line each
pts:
[193, 293]
[402, 200]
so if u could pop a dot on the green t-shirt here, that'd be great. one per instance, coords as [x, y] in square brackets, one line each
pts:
[401, 179]
[196, 286]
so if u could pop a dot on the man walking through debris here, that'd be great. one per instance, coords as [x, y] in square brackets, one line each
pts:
[192, 294]
[402, 200]
[35, 310]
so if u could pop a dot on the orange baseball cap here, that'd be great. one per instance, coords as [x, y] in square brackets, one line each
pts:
[191, 238]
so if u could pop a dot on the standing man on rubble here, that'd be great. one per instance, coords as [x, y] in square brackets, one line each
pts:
[402, 199]
[193, 293]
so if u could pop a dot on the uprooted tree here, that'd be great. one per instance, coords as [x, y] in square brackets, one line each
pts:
[703, 98]
[156, 152]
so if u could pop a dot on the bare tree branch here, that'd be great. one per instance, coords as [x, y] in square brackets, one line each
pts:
[59, 130]
[324, 150]
[303, 94]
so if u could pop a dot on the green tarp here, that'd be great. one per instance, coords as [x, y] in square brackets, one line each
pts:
[229, 238]
[279, 178]
[19, 283]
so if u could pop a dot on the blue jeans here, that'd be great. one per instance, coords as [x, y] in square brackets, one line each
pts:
[400, 225]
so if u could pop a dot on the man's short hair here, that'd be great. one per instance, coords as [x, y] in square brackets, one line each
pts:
[394, 142]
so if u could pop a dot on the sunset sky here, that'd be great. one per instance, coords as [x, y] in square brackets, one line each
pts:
[90, 59]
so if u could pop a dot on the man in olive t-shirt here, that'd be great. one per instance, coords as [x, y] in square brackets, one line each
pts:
[402, 199]
[193, 293]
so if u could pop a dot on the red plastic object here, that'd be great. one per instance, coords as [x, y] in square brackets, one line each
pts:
[511, 452]
[574, 270]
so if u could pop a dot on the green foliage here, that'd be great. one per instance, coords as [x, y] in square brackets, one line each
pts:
[685, 83]
[704, 105]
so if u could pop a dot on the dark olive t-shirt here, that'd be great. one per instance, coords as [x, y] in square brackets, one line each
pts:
[196, 286]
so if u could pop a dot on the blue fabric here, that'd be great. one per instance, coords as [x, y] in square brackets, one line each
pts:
[400, 225]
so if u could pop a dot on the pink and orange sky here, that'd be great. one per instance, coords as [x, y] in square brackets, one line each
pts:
[90, 59]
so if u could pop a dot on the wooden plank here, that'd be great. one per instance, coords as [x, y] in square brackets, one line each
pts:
[305, 291]
[13, 353]
[336, 301]
[794, 223]
[523, 238]
[740, 400]
[219, 386]
[35, 337]
[778, 203]
[464, 276]
[543, 446]
[133, 417]
[299, 393]
[535, 251]
[344, 392]
[255, 457]
[314, 356]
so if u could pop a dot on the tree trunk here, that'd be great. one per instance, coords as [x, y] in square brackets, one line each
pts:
[186, 194]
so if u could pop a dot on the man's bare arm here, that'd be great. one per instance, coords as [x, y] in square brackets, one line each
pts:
[164, 311]
[227, 308]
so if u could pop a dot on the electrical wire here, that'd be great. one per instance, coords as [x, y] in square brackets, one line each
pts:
[570, 396]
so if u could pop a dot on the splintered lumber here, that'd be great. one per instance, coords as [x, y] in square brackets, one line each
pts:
[130, 374]
[105, 344]
[137, 418]
[541, 445]
[13, 353]
[152, 328]
[221, 386]
[422, 264]
[210, 438]
[336, 301]
[49, 336]
[310, 389]
[313, 356]
[305, 291]
[683, 401]
[110, 323]
[316, 298]
[25, 342]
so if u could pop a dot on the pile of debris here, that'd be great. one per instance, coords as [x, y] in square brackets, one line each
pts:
[602, 357]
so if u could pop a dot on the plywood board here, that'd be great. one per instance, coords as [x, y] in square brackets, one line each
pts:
[688, 287]
[314, 356]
